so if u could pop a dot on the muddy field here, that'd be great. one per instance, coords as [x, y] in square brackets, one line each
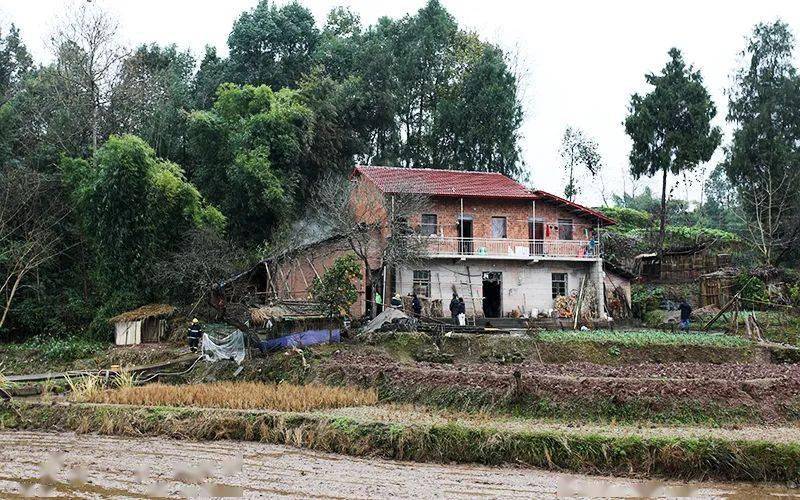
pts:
[91, 466]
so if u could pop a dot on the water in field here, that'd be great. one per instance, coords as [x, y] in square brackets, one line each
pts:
[91, 466]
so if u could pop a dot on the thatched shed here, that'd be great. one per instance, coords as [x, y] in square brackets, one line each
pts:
[145, 324]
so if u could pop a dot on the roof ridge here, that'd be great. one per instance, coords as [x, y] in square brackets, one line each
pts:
[428, 169]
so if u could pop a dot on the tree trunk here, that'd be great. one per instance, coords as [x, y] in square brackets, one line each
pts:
[663, 226]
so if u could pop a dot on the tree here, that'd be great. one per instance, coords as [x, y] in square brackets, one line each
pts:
[203, 259]
[153, 97]
[88, 60]
[375, 227]
[577, 151]
[15, 62]
[272, 45]
[30, 213]
[247, 153]
[671, 127]
[336, 289]
[134, 209]
[763, 159]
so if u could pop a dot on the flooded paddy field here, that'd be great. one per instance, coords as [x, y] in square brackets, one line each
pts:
[93, 466]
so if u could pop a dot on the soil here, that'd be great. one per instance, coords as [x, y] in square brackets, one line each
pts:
[91, 466]
[765, 389]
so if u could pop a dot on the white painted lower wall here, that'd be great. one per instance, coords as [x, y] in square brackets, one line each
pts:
[526, 285]
[128, 332]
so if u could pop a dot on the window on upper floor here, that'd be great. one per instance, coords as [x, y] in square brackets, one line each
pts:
[499, 227]
[559, 284]
[564, 229]
[428, 224]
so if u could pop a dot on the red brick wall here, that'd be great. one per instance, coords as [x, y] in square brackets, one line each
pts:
[293, 277]
[516, 212]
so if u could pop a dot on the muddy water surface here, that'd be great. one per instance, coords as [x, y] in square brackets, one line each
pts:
[91, 466]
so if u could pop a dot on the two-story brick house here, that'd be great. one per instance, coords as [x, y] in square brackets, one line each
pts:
[503, 248]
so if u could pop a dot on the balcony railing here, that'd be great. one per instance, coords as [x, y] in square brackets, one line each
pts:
[511, 248]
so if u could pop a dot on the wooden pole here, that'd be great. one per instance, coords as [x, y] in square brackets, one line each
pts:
[471, 294]
[316, 274]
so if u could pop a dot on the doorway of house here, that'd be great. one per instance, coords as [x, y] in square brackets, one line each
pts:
[492, 294]
[536, 237]
[465, 245]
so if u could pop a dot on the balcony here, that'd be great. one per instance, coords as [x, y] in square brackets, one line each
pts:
[497, 248]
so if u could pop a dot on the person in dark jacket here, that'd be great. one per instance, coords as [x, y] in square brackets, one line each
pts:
[462, 312]
[396, 302]
[455, 307]
[686, 314]
[195, 334]
[416, 305]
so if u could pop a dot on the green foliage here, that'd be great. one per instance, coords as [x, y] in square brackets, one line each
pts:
[246, 151]
[272, 45]
[752, 289]
[576, 151]
[336, 289]
[63, 349]
[671, 126]
[627, 218]
[697, 234]
[645, 298]
[763, 158]
[643, 338]
[134, 208]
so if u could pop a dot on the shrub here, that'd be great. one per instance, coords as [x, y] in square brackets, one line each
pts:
[336, 289]
[752, 289]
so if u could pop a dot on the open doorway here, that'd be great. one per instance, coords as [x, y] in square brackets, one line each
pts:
[492, 294]
[465, 245]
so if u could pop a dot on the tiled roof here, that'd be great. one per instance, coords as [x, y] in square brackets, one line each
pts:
[457, 183]
[435, 182]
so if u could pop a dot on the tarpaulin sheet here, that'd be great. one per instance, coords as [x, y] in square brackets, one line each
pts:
[301, 339]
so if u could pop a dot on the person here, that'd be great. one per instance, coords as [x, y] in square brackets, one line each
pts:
[378, 303]
[195, 334]
[686, 314]
[455, 307]
[462, 312]
[397, 302]
[416, 305]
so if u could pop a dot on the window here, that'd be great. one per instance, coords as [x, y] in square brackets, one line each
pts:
[564, 229]
[499, 227]
[429, 223]
[559, 284]
[422, 283]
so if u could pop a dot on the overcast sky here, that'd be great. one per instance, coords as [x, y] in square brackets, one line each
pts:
[583, 59]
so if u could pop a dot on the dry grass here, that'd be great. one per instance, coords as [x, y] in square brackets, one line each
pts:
[84, 388]
[237, 395]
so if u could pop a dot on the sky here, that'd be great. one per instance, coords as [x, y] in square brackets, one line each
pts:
[581, 59]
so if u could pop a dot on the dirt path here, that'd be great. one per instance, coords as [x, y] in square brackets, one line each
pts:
[91, 466]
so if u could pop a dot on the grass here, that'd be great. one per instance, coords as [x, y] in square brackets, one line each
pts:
[235, 395]
[578, 410]
[644, 338]
[56, 349]
[606, 453]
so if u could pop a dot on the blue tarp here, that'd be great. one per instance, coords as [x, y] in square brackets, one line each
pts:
[301, 339]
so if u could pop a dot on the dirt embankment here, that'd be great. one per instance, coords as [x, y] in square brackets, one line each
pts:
[769, 392]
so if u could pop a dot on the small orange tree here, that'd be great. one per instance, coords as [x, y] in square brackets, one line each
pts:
[336, 289]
